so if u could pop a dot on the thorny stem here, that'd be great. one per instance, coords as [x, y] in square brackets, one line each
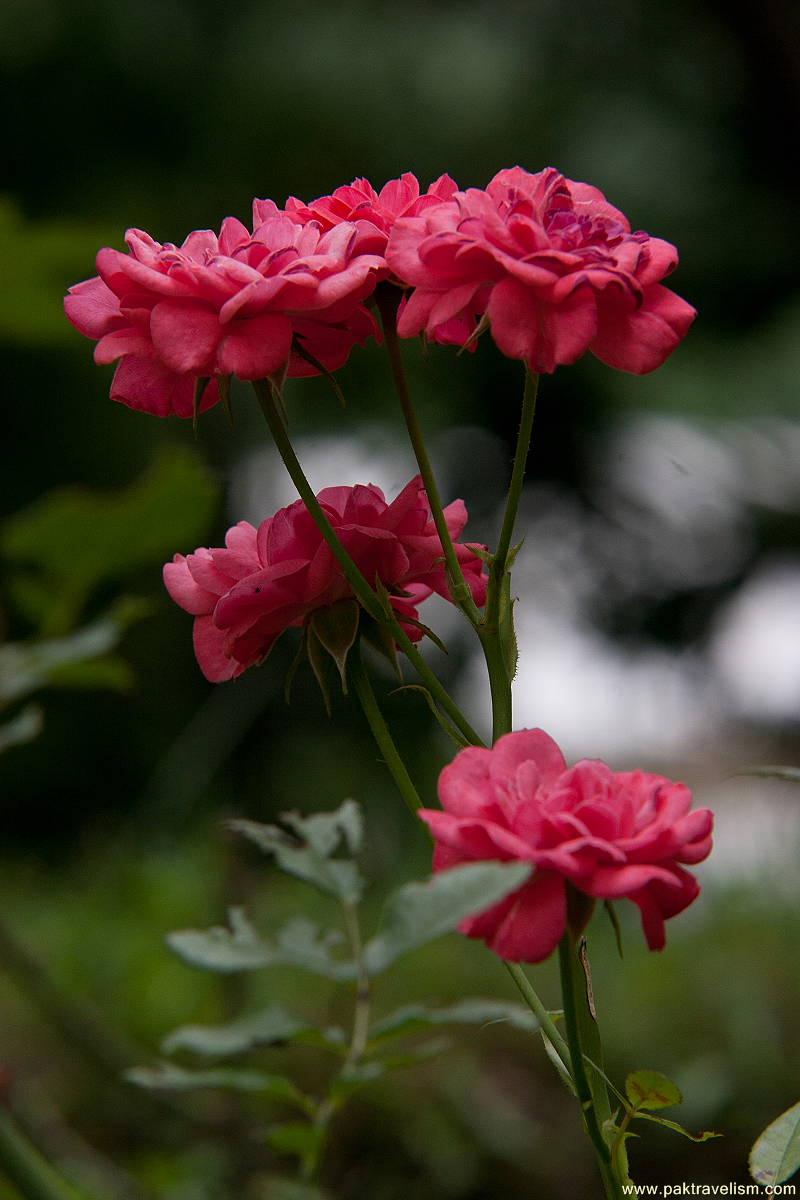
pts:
[359, 584]
[460, 588]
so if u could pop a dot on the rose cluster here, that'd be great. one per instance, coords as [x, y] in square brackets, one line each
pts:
[545, 263]
[264, 581]
[608, 834]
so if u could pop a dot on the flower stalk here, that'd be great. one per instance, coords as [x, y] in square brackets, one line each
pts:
[387, 306]
[380, 731]
[491, 631]
[364, 592]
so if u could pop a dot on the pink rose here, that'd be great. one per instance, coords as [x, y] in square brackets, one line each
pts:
[374, 212]
[609, 834]
[553, 266]
[267, 580]
[234, 304]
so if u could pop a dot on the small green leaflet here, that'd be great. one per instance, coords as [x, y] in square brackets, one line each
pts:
[308, 855]
[651, 1089]
[269, 1027]
[299, 944]
[419, 912]
[167, 1078]
[414, 1017]
[775, 1157]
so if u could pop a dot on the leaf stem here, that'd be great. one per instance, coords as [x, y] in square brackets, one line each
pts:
[387, 306]
[365, 594]
[380, 730]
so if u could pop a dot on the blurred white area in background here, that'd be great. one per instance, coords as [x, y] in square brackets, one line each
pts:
[674, 503]
[755, 648]
[671, 510]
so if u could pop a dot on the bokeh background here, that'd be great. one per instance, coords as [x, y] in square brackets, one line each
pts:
[659, 581]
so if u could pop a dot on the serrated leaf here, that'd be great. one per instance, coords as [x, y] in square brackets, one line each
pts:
[775, 1156]
[168, 1078]
[310, 858]
[324, 831]
[269, 1027]
[336, 628]
[704, 1136]
[21, 729]
[419, 912]
[299, 944]
[651, 1090]
[414, 1017]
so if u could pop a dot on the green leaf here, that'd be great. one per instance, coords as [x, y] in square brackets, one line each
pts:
[168, 1078]
[414, 1017]
[78, 538]
[651, 1089]
[705, 1136]
[269, 1027]
[23, 728]
[420, 912]
[336, 627]
[77, 660]
[775, 1156]
[299, 944]
[295, 1137]
[310, 857]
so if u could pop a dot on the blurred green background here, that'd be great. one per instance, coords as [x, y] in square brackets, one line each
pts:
[659, 579]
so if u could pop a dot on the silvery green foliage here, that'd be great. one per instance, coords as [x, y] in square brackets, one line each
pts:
[321, 851]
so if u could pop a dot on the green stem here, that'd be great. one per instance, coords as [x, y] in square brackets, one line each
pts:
[25, 1166]
[498, 625]
[517, 480]
[581, 1025]
[461, 591]
[538, 1009]
[359, 1037]
[358, 583]
[380, 731]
